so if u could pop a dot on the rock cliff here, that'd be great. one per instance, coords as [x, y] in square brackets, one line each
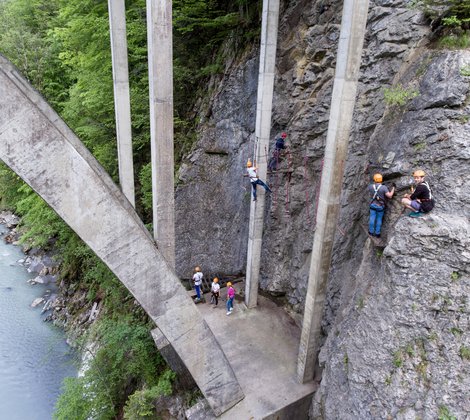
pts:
[397, 318]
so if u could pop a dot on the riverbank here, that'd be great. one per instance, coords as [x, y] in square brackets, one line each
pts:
[42, 265]
[35, 357]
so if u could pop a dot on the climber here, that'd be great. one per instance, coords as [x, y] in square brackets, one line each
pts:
[197, 279]
[421, 200]
[254, 179]
[280, 145]
[379, 194]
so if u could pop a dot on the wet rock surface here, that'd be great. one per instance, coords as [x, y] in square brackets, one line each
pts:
[396, 319]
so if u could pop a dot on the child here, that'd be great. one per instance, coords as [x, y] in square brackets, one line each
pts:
[197, 278]
[230, 297]
[215, 289]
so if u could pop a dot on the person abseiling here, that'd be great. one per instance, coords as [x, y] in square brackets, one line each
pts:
[421, 200]
[254, 179]
[379, 194]
[280, 145]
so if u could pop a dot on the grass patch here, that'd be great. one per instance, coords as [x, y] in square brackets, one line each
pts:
[456, 331]
[398, 95]
[455, 275]
[455, 41]
[465, 352]
[465, 70]
[398, 359]
[445, 414]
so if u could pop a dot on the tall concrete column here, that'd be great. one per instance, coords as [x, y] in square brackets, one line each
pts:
[263, 130]
[117, 25]
[160, 57]
[348, 62]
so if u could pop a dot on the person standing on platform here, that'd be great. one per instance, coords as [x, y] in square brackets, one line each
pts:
[215, 290]
[197, 279]
[230, 297]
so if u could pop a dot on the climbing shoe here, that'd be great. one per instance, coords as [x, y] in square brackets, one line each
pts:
[415, 214]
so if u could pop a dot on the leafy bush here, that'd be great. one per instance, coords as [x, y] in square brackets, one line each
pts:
[141, 404]
[398, 95]
[125, 359]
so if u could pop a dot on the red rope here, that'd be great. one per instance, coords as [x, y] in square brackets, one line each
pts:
[289, 166]
[307, 205]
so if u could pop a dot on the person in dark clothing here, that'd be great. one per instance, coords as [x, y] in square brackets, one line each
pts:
[421, 200]
[379, 194]
[280, 145]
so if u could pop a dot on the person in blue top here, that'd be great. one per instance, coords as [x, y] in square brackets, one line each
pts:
[379, 194]
[280, 145]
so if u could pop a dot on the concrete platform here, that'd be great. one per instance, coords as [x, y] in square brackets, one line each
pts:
[261, 345]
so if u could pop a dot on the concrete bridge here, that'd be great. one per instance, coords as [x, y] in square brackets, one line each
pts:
[46, 154]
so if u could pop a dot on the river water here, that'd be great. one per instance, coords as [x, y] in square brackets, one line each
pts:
[34, 358]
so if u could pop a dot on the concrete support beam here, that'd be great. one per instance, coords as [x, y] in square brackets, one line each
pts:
[263, 131]
[41, 149]
[348, 62]
[185, 380]
[160, 58]
[122, 105]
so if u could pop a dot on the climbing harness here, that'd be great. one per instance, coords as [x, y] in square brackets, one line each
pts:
[376, 191]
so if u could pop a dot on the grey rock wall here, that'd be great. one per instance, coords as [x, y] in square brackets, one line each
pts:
[396, 320]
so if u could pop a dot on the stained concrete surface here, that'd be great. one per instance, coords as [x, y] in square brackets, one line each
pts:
[261, 345]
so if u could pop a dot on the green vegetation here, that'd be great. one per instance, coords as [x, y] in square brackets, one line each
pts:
[451, 18]
[464, 352]
[465, 70]
[456, 331]
[444, 414]
[126, 358]
[398, 95]
[63, 48]
[420, 146]
[398, 358]
[455, 275]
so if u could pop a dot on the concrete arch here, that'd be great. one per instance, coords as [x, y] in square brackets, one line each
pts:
[45, 153]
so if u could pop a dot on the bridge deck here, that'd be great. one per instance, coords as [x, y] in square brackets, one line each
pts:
[261, 345]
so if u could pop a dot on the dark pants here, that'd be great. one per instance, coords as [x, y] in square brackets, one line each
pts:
[258, 182]
[272, 165]
[215, 298]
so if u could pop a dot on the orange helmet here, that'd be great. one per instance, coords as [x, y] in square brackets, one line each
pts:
[378, 178]
[216, 280]
[249, 164]
[419, 173]
[229, 284]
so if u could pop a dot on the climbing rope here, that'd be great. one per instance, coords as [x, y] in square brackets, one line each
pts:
[289, 165]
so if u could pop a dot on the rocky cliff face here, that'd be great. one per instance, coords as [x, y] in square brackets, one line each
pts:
[396, 319]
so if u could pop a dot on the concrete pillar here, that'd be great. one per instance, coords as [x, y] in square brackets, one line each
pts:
[160, 58]
[348, 62]
[263, 131]
[122, 106]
